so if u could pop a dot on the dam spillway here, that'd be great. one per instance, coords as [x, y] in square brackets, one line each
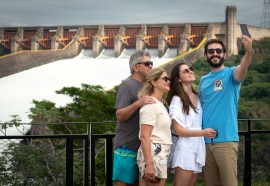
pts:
[28, 47]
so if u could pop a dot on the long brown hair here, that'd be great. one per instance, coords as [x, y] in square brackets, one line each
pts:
[176, 89]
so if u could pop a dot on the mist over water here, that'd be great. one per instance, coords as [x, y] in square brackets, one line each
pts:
[40, 83]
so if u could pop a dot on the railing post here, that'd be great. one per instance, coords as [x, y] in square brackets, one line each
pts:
[247, 157]
[69, 161]
[86, 161]
[92, 159]
[109, 161]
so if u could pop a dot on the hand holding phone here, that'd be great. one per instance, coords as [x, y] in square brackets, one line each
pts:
[244, 30]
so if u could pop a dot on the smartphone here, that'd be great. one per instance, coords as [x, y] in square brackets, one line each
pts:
[244, 30]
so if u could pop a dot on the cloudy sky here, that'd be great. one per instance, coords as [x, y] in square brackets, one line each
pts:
[94, 12]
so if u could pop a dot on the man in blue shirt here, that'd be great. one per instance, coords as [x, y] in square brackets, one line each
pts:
[219, 91]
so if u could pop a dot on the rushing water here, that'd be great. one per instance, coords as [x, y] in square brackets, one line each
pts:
[17, 91]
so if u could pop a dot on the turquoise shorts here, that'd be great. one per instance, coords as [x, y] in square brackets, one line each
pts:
[125, 166]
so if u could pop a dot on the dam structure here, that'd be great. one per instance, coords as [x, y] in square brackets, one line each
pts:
[27, 47]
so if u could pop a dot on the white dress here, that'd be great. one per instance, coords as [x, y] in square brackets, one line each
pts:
[189, 151]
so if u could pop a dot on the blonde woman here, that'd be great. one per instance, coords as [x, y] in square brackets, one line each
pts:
[155, 132]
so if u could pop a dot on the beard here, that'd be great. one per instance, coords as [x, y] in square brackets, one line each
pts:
[218, 64]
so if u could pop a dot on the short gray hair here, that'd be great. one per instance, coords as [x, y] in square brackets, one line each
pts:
[136, 57]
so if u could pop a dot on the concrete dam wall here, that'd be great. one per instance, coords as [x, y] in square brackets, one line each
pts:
[28, 47]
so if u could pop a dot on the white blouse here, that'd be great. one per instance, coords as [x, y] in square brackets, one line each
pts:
[189, 151]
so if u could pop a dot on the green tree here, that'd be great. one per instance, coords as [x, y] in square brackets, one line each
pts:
[90, 103]
[256, 91]
[31, 164]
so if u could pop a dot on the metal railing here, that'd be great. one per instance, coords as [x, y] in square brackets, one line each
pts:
[247, 144]
[69, 148]
[88, 144]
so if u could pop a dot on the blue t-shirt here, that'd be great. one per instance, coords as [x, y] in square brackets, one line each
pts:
[219, 93]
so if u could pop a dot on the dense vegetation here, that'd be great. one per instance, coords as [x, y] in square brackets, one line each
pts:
[93, 103]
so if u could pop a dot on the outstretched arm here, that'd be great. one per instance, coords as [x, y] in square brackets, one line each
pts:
[241, 70]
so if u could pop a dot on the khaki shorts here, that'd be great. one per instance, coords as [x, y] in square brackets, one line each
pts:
[160, 153]
[221, 164]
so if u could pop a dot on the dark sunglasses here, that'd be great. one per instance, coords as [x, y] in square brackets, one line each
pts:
[166, 79]
[212, 51]
[187, 70]
[147, 63]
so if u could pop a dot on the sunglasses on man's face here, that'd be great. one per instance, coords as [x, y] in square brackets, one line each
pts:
[212, 51]
[165, 78]
[187, 70]
[146, 63]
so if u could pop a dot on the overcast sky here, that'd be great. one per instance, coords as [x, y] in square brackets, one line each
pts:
[94, 12]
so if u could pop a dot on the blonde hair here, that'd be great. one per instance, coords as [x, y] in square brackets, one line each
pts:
[148, 87]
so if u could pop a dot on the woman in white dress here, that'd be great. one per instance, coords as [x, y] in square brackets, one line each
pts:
[186, 114]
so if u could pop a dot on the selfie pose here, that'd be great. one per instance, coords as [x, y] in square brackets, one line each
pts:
[219, 91]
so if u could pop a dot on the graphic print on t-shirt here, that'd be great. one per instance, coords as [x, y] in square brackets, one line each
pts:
[218, 85]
